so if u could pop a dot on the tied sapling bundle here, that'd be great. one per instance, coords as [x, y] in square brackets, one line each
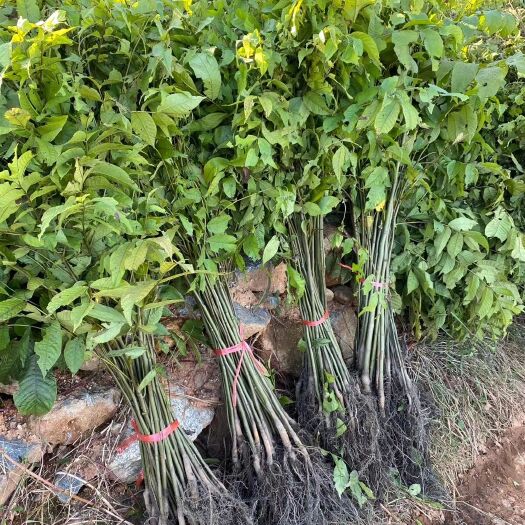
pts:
[181, 487]
[291, 482]
[329, 398]
[381, 358]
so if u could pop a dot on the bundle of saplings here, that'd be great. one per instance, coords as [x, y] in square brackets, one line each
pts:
[88, 246]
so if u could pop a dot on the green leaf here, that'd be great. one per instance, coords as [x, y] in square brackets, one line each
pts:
[518, 61]
[462, 224]
[387, 117]
[352, 8]
[113, 173]
[441, 240]
[28, 9]
[36, 394]
[106, 314]
[315, 103]
[52, 128]
[10, 308]
[355, 488]
[490, 80]
[296, 280]
[133, 296]
[136, 256]
[270, 249]
[133, 352]
[412, 282]
[144, 126]
[218, 224]
[500, 226]
[49, 348]
[341, 161]
[328, 203]
[206, 68]
[180, 104]
[206, 123]
[432, 42]
[312, 209]
[187, 225]
[66, 297]
[518, 252]
[148, 378]
[74, 353]
[485, 304]
[455, 245]
[250, 246]
[402, 41]
[340, 428]
[9, 195]
[222, 241]
[463, 73]
[341, 476]
[414, 489]
[369, 45]
[5, 54]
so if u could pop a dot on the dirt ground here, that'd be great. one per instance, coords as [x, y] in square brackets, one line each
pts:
[493, 491]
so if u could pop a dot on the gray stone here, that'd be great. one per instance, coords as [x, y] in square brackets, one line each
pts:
[21, 452]
[253, 320]
[189, 310]
[329, 295]
[71, 484]
[271, 302]
[343, 294]
[193, 419]
[77, 413]
[126, 465]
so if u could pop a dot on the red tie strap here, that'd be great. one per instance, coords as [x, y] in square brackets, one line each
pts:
[145, 438]
[244, 348]
[326, 315]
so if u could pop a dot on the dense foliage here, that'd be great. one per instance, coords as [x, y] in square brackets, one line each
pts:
[147, 147]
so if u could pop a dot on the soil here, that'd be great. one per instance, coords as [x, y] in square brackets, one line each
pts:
[493, 491]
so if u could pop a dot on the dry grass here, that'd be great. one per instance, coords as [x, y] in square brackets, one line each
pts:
[478, 389]
[100, 502]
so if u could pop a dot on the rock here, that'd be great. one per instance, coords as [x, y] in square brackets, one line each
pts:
[253, 320]
[193, 418]
[271, 302]
[260, 278]
[71, 484]
[125, 465]
[278, 345]
[343, 294]
[194, 390]
[78, 412]
[329, 295]
[10, 475]
[189, 310]
[344, 324]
